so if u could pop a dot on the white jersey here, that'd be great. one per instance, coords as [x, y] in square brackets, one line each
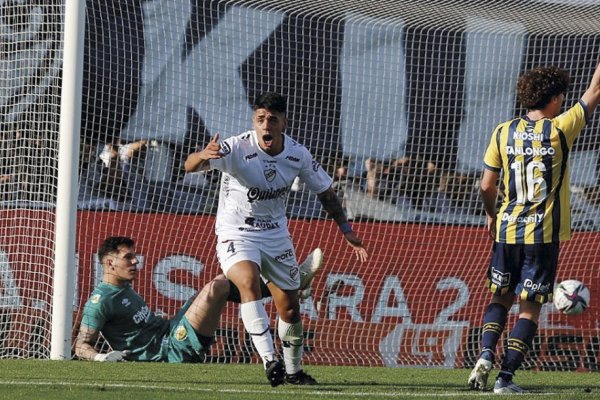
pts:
[255, 186]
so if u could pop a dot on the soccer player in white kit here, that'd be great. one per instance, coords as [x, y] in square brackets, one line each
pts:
[253, 241]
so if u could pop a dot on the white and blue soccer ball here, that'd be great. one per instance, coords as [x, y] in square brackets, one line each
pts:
[571, 297]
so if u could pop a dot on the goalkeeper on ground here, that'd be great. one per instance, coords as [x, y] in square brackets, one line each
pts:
[135, 333]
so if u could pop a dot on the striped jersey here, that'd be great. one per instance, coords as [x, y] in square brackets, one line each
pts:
[255, 186]
[532, 157]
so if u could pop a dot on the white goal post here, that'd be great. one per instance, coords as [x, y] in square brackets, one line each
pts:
[101, 101]
[66, 194]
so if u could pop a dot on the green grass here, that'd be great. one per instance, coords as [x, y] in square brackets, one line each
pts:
[43, 379]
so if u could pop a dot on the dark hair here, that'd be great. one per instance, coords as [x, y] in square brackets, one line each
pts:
[112, 244]
[536, 87]
[270, 101]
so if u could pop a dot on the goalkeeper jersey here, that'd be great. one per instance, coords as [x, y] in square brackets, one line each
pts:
[126, 322]
[533, 159]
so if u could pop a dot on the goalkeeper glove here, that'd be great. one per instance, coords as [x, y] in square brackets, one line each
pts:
[113, 356]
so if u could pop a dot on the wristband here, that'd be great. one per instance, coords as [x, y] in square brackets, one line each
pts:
[346, 227]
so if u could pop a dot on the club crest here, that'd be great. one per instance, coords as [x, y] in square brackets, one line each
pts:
[270, 174]
[180, 333]
[294, 273]
[225, 148]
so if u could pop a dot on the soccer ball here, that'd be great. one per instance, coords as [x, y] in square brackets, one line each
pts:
[571, 297]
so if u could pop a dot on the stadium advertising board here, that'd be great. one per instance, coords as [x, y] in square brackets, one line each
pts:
[418, 307]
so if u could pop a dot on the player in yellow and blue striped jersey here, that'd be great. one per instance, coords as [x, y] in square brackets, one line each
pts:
[529, 157]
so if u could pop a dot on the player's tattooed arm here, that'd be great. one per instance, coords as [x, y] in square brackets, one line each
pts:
[86, 342]
[332, 204]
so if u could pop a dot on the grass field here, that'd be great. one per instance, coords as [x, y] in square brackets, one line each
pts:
[49, 380]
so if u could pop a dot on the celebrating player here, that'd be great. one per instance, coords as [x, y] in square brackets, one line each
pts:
[530, 155]
[134, 332]
[259, 167]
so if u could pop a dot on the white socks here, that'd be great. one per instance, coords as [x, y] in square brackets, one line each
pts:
[256, 322]
[293, 341]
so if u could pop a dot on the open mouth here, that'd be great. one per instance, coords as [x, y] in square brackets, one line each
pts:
[268, 139]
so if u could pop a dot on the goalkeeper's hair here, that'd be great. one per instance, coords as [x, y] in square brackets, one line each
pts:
[112, 244]
[536, 87]
[270, 101]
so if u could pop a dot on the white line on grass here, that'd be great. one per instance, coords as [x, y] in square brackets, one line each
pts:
[248, 391]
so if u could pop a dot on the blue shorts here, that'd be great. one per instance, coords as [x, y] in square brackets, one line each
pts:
[529, 270]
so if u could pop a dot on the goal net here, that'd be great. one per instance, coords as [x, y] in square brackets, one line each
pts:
[395, 99]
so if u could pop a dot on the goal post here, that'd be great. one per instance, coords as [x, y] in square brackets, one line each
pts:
[68, 171]
[396, 99]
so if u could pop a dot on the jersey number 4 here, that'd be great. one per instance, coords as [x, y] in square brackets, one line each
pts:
[231, 248]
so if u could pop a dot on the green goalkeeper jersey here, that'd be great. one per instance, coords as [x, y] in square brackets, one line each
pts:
[126, 322]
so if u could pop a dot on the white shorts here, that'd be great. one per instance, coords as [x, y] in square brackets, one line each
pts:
[275, 258]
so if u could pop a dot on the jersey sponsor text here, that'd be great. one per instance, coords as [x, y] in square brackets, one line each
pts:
[529, 219]
[255, 193]
[142, 315]
[531, 136]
